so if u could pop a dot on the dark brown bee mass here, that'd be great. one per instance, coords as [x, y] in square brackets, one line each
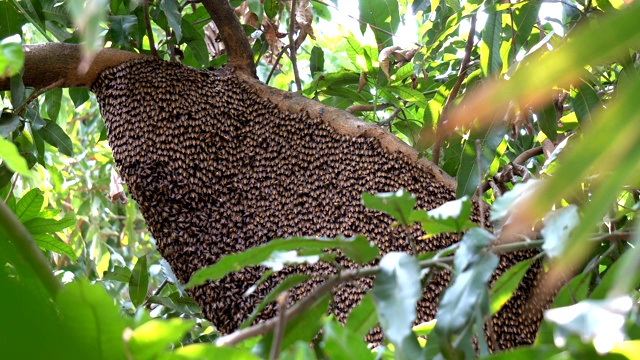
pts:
[217, 169]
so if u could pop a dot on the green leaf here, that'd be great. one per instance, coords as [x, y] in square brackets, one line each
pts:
[11, 57]
[622, 276]
[548, 121]
[467, 176]
[399, 205]
[408, 94]
[287, 284]
[599, 321]
[29, 205]
[152, 338]
[527, 353]
[40, 225]
[51, 243]
[584, 100]
[340, 343]
[490, 59]
[139, 282]
[79, 95]
[474, 268]
[450, 217]
[210, 351]
[383, 14]
[174, 18]
[524, 18]
[121, 30]
[119, 273]
[195, 41]
[505, 203]
[558, 225]
[358, 249]
[506, 285]
[12, 159]
[10, 20]
[272, 8]
[180, 307]
[87, 16]
[397, 290]
[300, 350]
[93, 321]
[255, 6]
[52, 101]
[316, 60]
[9, 122]
[363, 317]
[54, 135]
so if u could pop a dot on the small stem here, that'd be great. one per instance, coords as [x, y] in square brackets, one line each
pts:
[37, 93]
[480, 176]
[281, 324]
[152, 45]
[275, 65]
[292, 46]
[13, 185]
[28, 249]
[440, 127]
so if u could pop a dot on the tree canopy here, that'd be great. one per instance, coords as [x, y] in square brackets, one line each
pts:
[527, 105]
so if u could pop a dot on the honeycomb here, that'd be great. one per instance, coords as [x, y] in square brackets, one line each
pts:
[217, 169]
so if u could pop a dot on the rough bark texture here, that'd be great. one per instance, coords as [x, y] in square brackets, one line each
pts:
[47, 64]
[220, 163]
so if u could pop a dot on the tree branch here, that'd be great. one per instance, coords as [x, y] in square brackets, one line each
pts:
[239, 53]
[28, 249]
[292, 45]
[47, 64]
[147, 22]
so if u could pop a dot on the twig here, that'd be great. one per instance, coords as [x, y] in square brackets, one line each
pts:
[367, 107]
[157, 292]
[480, 176]
[345, 276]
[152, 45]
[275, 65]
[13, 186]
[528, 154]
[440, 128]
[518, 161]
[292, 46]
[281, 324]
[37, 93]
[389, 120]
[513, 35]
[28, 250]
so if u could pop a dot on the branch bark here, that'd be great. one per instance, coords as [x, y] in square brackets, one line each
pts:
[239, 53]
[47, 64]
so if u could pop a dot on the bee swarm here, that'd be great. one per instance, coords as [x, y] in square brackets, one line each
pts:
[217, 169]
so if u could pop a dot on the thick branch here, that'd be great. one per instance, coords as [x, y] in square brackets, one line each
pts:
[239, 53]
[46, 64]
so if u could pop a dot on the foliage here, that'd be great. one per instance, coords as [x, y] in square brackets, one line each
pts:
[493, 92]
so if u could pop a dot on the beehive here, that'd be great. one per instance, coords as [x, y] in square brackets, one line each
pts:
[216, 169]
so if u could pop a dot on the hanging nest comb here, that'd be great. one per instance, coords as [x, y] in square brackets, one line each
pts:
[218, 168]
